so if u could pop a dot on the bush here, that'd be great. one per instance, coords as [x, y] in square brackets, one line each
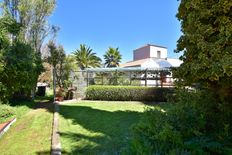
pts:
[196, 124]
[127, 93]
[6, 112]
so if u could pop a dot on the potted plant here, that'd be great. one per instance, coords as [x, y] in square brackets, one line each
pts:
[60, 94]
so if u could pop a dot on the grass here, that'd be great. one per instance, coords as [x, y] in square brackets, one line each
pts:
[31, 134]
[20, 108]
[16, 109]
[98, 127]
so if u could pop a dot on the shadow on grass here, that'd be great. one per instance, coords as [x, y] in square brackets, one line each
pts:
[29, 103]
[107, 132]
[45, 102]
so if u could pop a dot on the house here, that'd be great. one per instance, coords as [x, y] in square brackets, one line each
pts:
[153, 56]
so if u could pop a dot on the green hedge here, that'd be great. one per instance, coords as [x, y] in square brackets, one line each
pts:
[6, 112]
[127, 93]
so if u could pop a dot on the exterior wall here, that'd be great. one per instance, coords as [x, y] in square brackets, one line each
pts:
[142, 53]
[154, 50]
[150, 54]
[150, 51]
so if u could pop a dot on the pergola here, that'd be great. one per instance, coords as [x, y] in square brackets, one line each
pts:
[133, 73]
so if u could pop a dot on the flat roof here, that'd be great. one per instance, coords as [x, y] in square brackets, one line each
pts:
[124, 69]
[150, 45]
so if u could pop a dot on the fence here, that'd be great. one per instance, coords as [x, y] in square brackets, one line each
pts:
[155, 77]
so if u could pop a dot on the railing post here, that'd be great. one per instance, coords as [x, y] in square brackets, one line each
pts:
[162, 77]
[146, 77]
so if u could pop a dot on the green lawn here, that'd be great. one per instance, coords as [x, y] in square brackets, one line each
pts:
[17, 110]
[30, 134]
[97, 127]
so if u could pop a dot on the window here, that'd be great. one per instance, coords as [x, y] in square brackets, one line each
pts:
[158, 54]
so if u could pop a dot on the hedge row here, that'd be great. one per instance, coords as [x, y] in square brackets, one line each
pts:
[6, 112]
[127, 93]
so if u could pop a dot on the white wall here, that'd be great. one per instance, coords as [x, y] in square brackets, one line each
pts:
[150, 51]
[154, 50]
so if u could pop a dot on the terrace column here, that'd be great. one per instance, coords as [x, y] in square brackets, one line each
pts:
[146, 77]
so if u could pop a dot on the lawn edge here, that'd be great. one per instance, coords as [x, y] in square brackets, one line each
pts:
[7, 127]
[56, 145]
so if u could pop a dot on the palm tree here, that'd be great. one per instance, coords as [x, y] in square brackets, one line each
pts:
[112, 57]
[86, 58]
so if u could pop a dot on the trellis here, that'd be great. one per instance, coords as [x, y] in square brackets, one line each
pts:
[133, 73]
[156, 77]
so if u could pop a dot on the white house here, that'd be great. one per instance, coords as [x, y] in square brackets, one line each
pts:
[152, 56]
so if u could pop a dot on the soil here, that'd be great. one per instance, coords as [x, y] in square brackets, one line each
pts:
[3, 125]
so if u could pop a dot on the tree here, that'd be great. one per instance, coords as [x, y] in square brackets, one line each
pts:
[57, 60]
[8, 27]
[112, 57]
[69, 70]
[63, 65]
[19, 62]
[46, 75]
[86, 58]
[206, 44]
[33, 16]
[22, 65]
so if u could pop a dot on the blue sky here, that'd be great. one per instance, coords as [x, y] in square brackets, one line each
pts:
[127, 24]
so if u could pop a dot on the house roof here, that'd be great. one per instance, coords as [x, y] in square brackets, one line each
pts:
[150, 45]
[162, 63]
[40, 84]
[134, 63]
[127, 69]
[174, 62]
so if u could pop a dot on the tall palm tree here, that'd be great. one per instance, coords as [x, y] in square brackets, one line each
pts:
[86, 58]
[112, 57]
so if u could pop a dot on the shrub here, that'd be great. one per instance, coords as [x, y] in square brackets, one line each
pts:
[6, 112]
[196, 124]
[127, 93]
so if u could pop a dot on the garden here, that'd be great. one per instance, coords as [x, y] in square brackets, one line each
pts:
[31, 133]
[99, 127]
[114, 115]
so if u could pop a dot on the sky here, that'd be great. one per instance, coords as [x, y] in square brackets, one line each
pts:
[126, 24]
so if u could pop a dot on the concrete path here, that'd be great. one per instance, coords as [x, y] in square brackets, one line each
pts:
[56, 145]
